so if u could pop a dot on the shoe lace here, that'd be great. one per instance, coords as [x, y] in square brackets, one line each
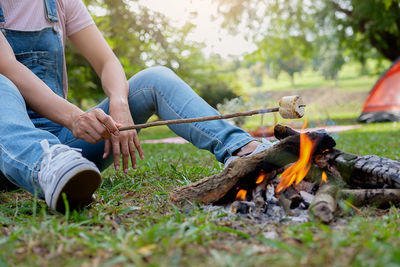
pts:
[54, 158]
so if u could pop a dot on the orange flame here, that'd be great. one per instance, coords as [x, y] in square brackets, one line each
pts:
[241, 194]
[324, 178]
[260, 178]
[297, 172]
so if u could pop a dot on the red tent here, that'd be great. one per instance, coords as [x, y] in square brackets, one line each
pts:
[383, 102]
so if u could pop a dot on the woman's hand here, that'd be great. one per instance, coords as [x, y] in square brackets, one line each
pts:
[127, 142]
[90, 42]
[94, 126]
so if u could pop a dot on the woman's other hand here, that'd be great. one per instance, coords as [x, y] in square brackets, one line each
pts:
[127, 142]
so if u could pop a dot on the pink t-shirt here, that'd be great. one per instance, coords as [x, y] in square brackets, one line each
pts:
[29, 15]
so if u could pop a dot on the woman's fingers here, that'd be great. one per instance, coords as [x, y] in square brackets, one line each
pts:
[123, 145]
[107, 121]
[116, 152]
[137, 144]
[132, 152]
[95, 126]
[125, 155]
[107, 148]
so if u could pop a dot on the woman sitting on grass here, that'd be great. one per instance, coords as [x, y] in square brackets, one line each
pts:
[48, 146]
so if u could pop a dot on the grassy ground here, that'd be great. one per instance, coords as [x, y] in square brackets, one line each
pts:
[133, 223]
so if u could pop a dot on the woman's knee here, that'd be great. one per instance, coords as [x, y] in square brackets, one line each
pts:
[155, 78]
[159, 71]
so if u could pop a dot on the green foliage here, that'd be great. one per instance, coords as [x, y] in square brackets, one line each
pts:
[297, 30]
[216, 92]
[140, 38]
[291, 67]
[83, 82]
[238, 104]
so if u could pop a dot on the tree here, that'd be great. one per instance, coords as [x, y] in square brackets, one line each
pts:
[283, 54]
[372, 22]
[358, 28]
[140, 38]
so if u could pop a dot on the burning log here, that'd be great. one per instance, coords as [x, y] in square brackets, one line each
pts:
[379, 197]
[243, 172]
[324, 204]
[249, 182]
[369, 171]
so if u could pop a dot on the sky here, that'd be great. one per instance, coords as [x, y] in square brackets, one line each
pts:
[207, 31]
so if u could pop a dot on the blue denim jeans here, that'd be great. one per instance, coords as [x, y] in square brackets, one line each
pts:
[155, 90]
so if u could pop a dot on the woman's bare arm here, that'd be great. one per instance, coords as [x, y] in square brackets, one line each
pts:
[40, 98]
[95, 49]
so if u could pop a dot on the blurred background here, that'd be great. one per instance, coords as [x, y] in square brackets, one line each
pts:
[246, 54]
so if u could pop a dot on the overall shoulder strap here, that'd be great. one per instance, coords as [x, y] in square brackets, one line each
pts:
[51, 10]
[2, 19]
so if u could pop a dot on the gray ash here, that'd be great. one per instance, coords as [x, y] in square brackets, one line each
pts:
[265, 207]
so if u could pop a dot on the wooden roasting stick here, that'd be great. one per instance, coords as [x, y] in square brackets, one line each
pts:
[290, 107]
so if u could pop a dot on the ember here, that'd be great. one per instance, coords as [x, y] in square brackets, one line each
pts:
[261, 177]
[324, 178]
[241, 194]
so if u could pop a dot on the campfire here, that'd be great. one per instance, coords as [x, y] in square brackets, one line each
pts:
[301, 175]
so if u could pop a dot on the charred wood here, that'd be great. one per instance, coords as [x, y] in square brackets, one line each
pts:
[242, 172]
[306, 186]
[369, 171]
[380, 197]
[294, 197]
[285, 204]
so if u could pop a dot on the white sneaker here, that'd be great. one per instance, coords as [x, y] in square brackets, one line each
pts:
[266, 144]
[64, 170]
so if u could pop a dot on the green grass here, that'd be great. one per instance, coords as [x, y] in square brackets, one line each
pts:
[349, 79]
[132, 222]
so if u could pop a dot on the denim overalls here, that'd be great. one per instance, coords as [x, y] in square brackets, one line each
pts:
[154, 90]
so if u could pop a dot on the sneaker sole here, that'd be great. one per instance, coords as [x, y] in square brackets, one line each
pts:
[78, 184]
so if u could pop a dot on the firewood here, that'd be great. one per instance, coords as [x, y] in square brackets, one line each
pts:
[305, 186]
[259, 193]
[242, 172]
[379, 197]
[285, 204]
[242, 207]
[294, 197]
[343, 170]
[369, 171]
[307, 197]
[324, 204]
[281, 132]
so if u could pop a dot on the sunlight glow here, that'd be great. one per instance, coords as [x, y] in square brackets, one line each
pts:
[203, 14]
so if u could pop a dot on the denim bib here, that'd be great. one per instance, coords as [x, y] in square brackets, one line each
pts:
[42, 52]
